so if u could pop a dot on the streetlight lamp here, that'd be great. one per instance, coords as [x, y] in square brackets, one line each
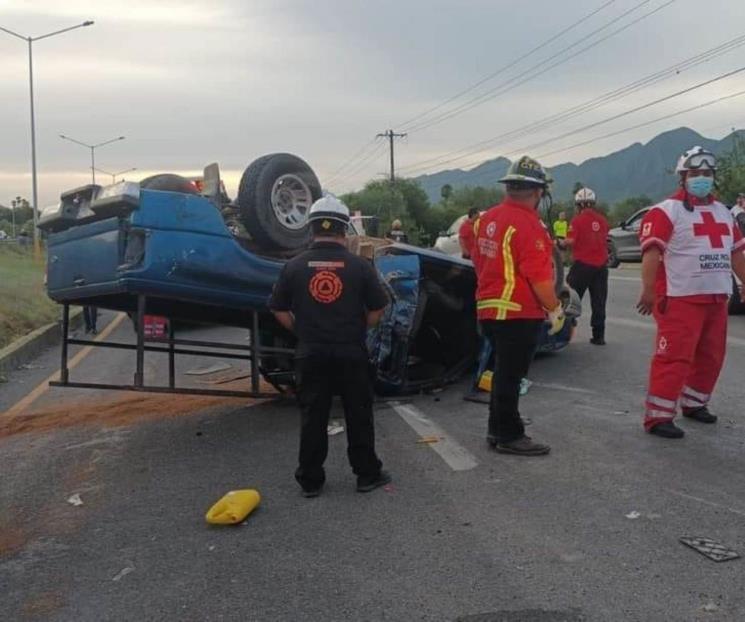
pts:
[34, 185]
[115, 175]
[93, 149]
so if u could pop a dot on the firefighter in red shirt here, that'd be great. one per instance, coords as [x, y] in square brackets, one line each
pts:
[690, 246]
[515, 294]
[588, 239]
[466, 234]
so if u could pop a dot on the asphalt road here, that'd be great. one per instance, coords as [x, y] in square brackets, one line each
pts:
[589, 532]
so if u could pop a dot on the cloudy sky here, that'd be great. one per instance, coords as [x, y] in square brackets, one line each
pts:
[189, 83]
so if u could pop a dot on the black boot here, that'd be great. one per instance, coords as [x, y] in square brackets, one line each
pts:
[701, 414]
[598, 337]
[667, 430]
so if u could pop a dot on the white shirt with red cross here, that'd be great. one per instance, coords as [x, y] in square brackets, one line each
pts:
[696, 245]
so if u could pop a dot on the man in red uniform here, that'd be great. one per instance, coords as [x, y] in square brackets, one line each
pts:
[690, 247]
[514, 265]
[466, 235]
[588, 239]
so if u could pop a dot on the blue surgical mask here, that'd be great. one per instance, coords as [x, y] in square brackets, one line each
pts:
[700, 186]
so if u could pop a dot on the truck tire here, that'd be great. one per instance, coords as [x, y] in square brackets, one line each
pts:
[169, 182]
[274, 198]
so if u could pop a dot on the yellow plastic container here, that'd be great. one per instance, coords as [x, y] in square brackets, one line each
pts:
[234, 507]
[485, 381]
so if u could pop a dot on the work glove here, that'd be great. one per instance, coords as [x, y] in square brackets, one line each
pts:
[556, 319]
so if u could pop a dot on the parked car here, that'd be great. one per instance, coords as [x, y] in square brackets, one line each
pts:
[623, 240]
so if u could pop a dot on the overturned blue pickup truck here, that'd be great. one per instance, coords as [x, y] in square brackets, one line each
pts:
[174, 248]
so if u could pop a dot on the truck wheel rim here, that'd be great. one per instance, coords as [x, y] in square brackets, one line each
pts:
[291, 201]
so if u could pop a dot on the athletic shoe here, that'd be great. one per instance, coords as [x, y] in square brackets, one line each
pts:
[667, 430]
[309, 493]
[365, 484]
[700, 414]
[597, 341]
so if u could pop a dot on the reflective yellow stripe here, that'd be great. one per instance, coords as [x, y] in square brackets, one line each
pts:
[498, 303]
[509, 271]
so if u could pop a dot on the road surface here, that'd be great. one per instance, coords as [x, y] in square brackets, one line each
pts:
[589, 532]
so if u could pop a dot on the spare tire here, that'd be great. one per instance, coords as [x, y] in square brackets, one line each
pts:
[274, 199]
[169, 182]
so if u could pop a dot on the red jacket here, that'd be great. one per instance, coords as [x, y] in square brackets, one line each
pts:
[512, 250]
[589, 231]
[466, 235]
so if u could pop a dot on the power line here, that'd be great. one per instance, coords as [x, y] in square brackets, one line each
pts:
[516, 81]
[509, 65]
[597, 102]
[351, 160]
[630, 129]
[379, 148]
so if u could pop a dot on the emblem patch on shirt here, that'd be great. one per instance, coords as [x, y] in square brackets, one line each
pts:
[595, 226]
[325, 287]
[647, 229]
[662, 345]
[491, 229]
[540, 245]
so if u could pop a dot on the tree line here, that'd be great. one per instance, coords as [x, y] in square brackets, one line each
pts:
[20, 212]
[423, 221]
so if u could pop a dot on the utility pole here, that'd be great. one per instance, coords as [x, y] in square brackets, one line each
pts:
[391, 136]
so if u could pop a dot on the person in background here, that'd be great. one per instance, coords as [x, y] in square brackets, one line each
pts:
[561, 227]
[328, 297]
[396, 234]
[515, 295]
[738, 211]
[466, 234]
[588, 239]
[90, 317]
[690, 247]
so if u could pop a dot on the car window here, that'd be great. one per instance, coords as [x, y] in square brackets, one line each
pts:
[635, 222]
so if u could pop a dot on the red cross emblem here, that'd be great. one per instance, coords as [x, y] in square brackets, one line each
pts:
[713, 229]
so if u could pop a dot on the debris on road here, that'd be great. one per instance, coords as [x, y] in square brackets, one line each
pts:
[334, 428]
[239, 374]
[712, 549]
[123, 573]
[710, 607]
[427, 440]
[633, 515]
[75, 500]
[234, 507]
[211, 369]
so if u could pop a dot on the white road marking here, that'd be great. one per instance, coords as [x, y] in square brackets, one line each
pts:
[705, 502]
[562, 387]
[651, 326]
[636, 279]
[457, 457]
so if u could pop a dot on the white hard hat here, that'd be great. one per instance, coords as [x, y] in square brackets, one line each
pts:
[585, 195]
[329, 208]
[696, 158]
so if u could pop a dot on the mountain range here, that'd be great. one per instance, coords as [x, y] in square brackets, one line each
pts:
[638, 169]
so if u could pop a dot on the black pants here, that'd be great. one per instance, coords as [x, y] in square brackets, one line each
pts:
[90, 316]
[319, 377]
[514, 343]
[582, 277]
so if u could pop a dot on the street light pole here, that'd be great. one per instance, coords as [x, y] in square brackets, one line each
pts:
[115, 175]
[34, 183]
[93, 150]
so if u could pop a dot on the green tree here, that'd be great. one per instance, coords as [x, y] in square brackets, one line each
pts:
[731, 173]
[446, 192]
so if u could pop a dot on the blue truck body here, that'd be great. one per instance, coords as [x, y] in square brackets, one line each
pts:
[107, 247]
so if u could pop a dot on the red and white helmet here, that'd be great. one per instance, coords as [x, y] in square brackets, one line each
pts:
[696, 158]
[585, 195]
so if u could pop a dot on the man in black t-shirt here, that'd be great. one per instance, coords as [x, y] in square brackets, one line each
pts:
[328, 297]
